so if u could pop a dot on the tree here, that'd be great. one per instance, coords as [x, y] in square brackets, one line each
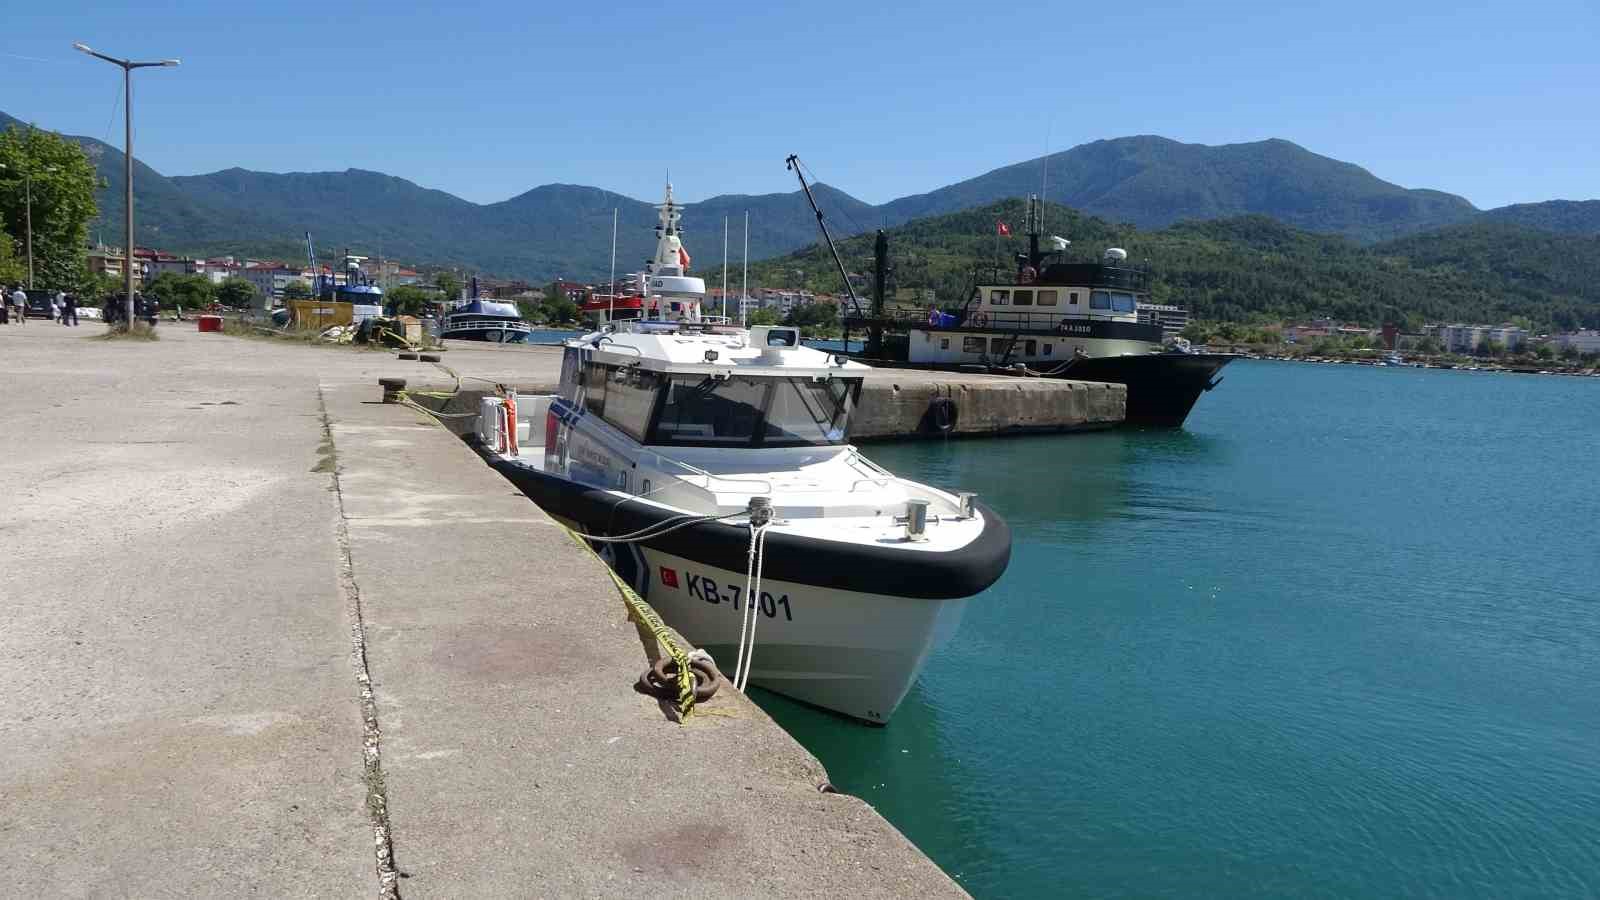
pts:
[171, 290]
[1428, 345]
[448, 284]
[296, 290]
[236, 293]
[1491, 348]
[409, 300]
[13, 269]
[61, 181]
[1544, 351]
[764, 316]
[557, 306]
[1570, 352]
[817, 318]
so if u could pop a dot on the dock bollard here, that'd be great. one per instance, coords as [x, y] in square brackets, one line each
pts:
[392, 388]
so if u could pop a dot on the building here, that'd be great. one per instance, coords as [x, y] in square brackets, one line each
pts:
[1583, 341]
[1460, 338]
[1172, 319]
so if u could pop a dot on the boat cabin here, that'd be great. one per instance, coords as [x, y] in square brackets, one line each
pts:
[667, 385]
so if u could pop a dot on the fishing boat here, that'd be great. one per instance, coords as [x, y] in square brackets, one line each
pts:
[482, 319]
[1054, 317]
[712, 467]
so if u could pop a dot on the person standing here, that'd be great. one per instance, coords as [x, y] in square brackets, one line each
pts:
[69, 309]
[21, 301]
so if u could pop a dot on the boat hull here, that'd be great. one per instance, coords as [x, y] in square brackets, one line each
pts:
[1162, 387]
[843, 626]
[492, 333]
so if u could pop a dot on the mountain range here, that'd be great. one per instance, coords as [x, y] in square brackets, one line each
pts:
[561, 230]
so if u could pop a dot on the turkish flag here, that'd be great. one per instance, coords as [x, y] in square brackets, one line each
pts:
[1002, 229]
[683, 258]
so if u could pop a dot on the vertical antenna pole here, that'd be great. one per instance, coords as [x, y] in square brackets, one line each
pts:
[611, 287]
[724, 267]
[744, 290]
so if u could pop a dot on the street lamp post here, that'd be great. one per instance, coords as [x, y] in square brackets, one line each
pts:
[127, 158]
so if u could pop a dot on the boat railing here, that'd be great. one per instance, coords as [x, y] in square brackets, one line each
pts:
[988, 318]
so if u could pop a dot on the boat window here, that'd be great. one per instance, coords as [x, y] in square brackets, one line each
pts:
[973, 345]
[1049, 349]
[997, 346]
[999, 298]
[1022, 298]
[1030, 347]
[630, 399]
[1047, 298]
[1123, 303]
[944, 343]
[710, 411]
[1099, 300]
[808, 412]
[1072, 299]
[594, 388]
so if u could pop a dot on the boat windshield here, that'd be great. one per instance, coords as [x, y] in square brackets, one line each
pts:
[743, 411]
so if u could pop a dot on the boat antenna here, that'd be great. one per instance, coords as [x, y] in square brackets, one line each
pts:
[724, 268]
[744, 290]
[611, 286]
[1044, 174]
[793, 163]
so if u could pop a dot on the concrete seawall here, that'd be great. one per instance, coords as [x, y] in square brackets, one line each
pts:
[906, 404]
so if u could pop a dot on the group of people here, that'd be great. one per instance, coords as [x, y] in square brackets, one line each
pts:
[63, 307]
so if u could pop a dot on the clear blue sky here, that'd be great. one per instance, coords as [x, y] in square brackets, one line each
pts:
[1497, 102]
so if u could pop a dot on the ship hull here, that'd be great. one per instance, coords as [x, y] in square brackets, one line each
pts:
[842, 626]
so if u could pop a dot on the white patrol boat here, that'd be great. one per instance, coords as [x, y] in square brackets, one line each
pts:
[680, 435]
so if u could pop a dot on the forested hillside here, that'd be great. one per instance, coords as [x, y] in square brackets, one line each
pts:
[1252, 268]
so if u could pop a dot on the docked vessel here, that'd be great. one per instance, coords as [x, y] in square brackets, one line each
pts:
[719, 457]
[481, 319]
[1056, 318]
[664, 290]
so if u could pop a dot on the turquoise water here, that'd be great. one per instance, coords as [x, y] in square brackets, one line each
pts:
[1339, 637]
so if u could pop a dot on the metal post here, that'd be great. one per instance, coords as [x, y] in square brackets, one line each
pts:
[127, 66]
[127, 175]
[611, 286]
[744, 290]
[27, 189]
[724, 267]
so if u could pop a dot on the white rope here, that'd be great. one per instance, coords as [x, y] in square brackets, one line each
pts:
[752, 612]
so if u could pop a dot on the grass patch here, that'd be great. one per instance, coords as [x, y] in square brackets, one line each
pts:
[141, 331]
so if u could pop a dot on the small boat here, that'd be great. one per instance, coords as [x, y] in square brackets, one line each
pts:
[718, 460]
[482, 319]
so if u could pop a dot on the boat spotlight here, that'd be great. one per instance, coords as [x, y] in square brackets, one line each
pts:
[967, 499]
[711, 356]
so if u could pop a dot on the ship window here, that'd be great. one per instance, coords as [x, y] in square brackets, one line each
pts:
[944, 343]
[1099, 300]
[1123, 303]
[708, 411]
[1072, 299]
[630, 399]
[999, 298]
[594, 388]
[973, 345]
[1022, 298]
[1047, 298]
[1030, 348]
[808, 412]
[1049, 349]
[997, 346]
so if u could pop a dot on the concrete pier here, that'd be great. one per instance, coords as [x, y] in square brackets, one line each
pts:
[258, 623]
[899, 404]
